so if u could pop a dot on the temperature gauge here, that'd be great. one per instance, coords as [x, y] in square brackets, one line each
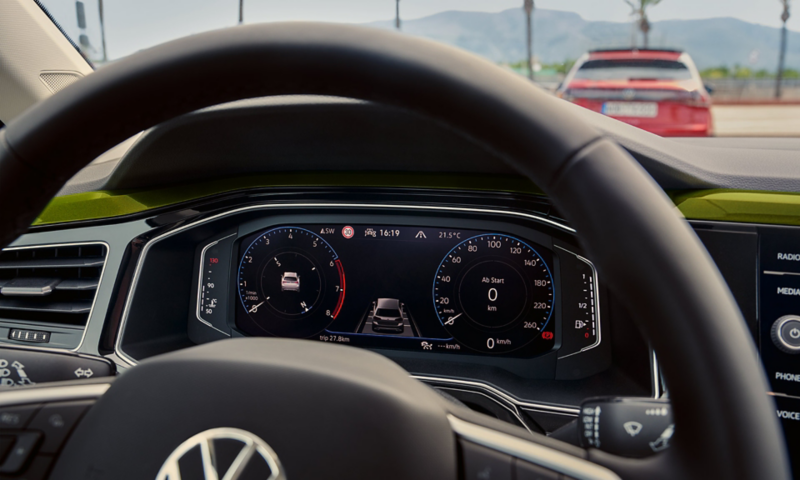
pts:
[212, 288]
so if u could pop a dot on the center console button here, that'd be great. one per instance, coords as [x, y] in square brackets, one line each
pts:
[785, 334]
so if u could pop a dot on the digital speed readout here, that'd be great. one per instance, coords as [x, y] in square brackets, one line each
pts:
[494, 293]
[411, 288]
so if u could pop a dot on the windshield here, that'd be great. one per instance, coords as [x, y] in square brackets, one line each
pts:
[733, 66]
[633, 70]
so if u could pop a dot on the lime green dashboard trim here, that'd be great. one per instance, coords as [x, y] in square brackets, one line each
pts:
[108, 204]
[719, 205]
[741, 206]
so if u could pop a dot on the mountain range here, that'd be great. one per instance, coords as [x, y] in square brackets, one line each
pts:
[560, 36]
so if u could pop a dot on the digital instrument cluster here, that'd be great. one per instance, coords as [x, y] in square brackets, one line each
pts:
[413, 288]
[420, 288]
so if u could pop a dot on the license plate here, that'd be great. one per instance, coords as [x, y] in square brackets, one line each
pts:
[631, 109]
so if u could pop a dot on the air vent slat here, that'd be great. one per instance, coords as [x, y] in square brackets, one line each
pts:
[78, 284]
[55, 307]
[50, 285]
[29, 287]
[53, 263]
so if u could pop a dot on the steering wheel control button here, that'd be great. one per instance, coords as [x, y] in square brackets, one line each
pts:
[528, 471]
[21, 451]
[56, 421]
[629, 427]
[785, 334]
[21, 366]
[481, 463]
[6, 442]
[16, 418]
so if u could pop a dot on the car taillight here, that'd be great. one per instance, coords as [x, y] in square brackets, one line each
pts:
[694, 98]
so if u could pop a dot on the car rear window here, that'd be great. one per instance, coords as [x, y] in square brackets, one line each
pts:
[382, 312]
[633, 70]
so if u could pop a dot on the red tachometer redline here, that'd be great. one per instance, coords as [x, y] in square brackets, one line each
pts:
[341, 290]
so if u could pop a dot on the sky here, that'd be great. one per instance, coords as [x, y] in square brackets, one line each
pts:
[135, 24]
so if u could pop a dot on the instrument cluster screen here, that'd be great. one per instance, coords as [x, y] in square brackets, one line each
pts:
[410, 288]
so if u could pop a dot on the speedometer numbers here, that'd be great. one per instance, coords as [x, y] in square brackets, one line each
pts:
[494, 294]
[291, 282]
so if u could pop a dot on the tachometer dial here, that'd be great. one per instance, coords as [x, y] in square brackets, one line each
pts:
[291, 282]
[494, 293]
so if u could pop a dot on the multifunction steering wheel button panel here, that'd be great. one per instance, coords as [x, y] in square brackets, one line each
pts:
[628, 427]
[32, 435]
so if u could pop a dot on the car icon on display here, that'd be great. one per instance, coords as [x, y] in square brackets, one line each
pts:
[290, 282]
[387, 315]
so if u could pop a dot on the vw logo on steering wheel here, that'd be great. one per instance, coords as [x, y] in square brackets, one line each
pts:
[222, 453]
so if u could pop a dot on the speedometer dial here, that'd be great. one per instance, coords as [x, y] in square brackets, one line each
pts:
[494, 293]
[291, 282]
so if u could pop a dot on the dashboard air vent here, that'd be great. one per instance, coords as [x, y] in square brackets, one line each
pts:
[54, 284]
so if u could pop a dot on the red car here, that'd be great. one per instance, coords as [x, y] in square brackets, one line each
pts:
[657, 90]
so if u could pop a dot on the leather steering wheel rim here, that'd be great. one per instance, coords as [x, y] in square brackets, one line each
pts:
[645, 251]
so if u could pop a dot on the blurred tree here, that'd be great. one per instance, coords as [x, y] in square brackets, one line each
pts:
[791, 74]
[742, 72]
[782, 55]
[397, 14]
[639, 9]
[528, 7]
[716, 73]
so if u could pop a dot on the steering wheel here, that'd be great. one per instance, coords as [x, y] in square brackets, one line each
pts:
[334, 412]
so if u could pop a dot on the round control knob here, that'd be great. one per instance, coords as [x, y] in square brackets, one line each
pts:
[786, 334]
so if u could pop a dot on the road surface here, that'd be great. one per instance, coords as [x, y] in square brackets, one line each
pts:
[756, 120]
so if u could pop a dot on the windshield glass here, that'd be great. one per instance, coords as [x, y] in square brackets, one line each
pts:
[633, 70]
[728, 67]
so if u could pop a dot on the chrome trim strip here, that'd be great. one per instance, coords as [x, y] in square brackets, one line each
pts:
[782, 395]
[656, 377]
[94, 301]
[573, 467]
[52, 394]
[480, 386]
[200, 285]
[135, 280]
[596, 288]
[512, 409]
[774, 272]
